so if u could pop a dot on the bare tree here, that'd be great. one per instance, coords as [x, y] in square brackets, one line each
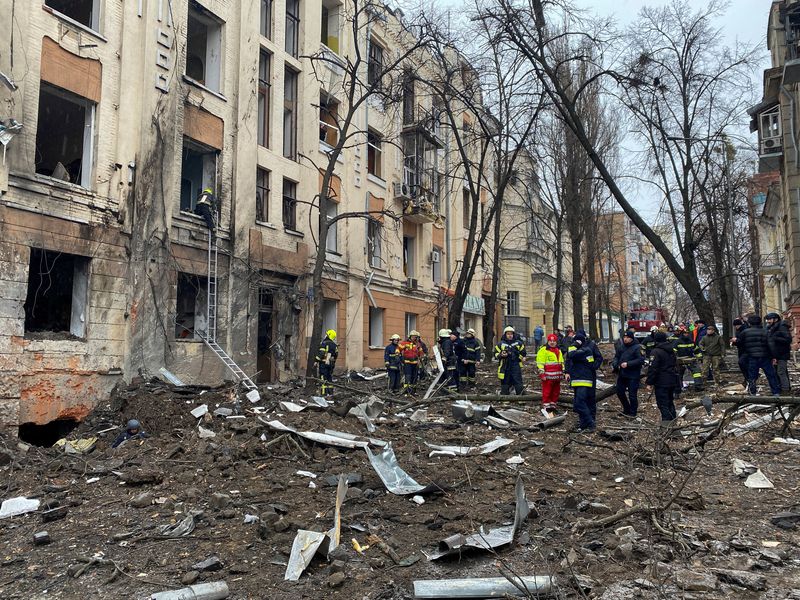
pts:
[676, 84]
[358, 79]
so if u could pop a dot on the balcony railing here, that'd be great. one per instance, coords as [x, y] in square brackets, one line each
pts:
[424, 122]
[774, 261]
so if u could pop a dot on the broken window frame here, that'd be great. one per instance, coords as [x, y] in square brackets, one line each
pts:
[199, 285]
[409, 257]
[329, 26]
[79, 297]
[328, 119]
[262, 194]
[264, 97]
[374, 153]
[330, 314]
[289, 213]
[376, 320]
[211, 77]
[94, 16]
[374, 252]
[332, 241]
[87, 144]
[290, 106]
[436, 267]
[210, 157]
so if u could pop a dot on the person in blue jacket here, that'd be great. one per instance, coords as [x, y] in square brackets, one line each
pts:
[510, 353]
[627, 364]
[583, 360]
[393, 361]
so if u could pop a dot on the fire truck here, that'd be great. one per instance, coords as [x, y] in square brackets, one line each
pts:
[642, 318]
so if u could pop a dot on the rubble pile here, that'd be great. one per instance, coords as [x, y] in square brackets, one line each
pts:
[380, 497]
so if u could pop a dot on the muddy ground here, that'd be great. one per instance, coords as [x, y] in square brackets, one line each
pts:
[715, 539]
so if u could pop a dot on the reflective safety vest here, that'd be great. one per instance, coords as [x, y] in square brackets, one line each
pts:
[551, 361]
[472, 350]
[515, 351]
[328, 351]
[410, 352]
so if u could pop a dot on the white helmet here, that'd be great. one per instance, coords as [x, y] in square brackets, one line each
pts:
[654, 328]
[444, 333]
[395, 337]
[507, 329]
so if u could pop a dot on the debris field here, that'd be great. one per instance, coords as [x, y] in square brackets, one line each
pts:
[220, 496]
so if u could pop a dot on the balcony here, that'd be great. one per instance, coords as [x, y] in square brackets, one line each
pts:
[420, 210]
[422, 122]
[774, 262]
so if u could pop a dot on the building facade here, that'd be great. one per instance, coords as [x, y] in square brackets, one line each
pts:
[115, 116]
[775, 120]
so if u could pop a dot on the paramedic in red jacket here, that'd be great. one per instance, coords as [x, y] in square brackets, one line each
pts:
[550, 362]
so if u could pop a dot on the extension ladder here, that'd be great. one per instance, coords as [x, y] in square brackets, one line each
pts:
[211, 322]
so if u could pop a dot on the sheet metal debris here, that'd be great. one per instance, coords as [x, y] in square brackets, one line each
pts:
[366, 411]
[322, 438]
[171, 378]
[485, 539]
[199, 411]
[486, 448]
[743, 469]
[301, 405]
[487, 587]
[396, 480]
[307, 543]
[18, 506]
[740, 430]
[180, 529]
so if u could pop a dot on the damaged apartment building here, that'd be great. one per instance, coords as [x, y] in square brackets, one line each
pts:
[116, 115]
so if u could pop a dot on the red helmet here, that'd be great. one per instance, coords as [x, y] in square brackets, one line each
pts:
[552, 337]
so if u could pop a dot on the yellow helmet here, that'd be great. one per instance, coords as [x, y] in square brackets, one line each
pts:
[331, 334]
[413, 333]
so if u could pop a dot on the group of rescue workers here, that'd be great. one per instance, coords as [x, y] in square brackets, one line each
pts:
[574, 358]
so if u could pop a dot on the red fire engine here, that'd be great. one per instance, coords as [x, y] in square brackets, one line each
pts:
[642, 318]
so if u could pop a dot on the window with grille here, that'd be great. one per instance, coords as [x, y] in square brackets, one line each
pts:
[374, 64]
[512, 303]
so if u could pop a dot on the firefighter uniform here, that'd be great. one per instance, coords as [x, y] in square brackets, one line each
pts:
[206, 207]
[470, 358]
[582, 362]
[393, 360]
[510, 352]
[688, 356]
[447, 348]
[411, 352]
[326, 361]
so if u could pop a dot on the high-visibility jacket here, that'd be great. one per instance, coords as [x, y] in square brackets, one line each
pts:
[581, 366]
[410, 351]
[551, 361]
[685, 347]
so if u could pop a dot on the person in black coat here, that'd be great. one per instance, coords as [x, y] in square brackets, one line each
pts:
[394, 362]
[662, 377]
[739, 325]
[780, 344]
[627, 364]
[510, 352]
[755, 344]
[448, 352]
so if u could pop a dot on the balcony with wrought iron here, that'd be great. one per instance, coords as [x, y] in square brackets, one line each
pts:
[421, 121]
[774, 262]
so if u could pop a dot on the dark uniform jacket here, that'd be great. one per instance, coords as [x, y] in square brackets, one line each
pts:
[581, 366]
[662, 371]
[328, 346]
[448, 352]
[392, 357]
[649, 343]
[472, 349]
[684, 346]
[515, 350]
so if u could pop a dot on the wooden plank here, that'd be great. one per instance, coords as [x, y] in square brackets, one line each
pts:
[81, 76]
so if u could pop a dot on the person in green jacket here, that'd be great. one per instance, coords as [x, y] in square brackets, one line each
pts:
[712, 348]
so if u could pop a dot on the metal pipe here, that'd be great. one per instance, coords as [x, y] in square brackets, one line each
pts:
[488, 587]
